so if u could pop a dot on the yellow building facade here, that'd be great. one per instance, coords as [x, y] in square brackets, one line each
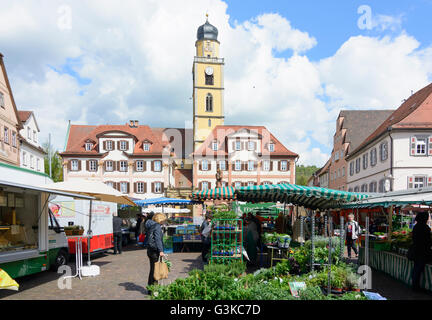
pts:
[208, 84]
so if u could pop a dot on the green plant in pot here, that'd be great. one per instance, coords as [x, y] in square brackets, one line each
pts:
[352, 282]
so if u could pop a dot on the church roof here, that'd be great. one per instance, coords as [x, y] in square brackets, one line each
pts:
[207, 32]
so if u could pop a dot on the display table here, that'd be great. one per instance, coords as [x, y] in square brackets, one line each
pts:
[281, 254]
[397, 266]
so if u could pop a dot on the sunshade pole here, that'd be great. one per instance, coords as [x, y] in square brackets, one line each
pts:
[89, 233]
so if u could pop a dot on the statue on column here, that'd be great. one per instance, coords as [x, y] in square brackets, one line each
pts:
[219, 178]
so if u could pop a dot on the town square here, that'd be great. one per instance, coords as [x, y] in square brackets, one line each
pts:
[215, 150]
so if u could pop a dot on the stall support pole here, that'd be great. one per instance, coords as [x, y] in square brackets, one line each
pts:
[342, 237]
[390, 220]
[89, 233]
[366, 257]
[301, 231]
[325, 225]
[330, 257]
[312, 215]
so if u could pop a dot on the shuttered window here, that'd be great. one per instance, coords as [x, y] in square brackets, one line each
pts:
[140, 165]
[373, 157]
[266, 165]
[238, 165]
[92, 165]
[204, 165]
[365, 161]
[157, 166]
[109, 166]
[124, 187]
[284, 165]
[123, 166]
[74, 165]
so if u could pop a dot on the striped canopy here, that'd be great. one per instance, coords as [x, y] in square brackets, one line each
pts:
[308, 197]
[224, 193]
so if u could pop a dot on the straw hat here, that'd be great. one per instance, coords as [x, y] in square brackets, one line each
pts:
[159, 218]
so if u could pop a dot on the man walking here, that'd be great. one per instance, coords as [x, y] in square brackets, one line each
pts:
[352, 232]
[117, 222]
[206, 236]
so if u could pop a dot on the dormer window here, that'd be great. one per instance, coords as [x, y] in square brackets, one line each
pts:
[109, 145]
[88, 146]
[271, 147]
[215, 146]
[238, 145]
[123, 145]
[146, 146]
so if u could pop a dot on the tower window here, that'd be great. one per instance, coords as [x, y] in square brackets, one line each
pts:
[209, 103]
[209, 80]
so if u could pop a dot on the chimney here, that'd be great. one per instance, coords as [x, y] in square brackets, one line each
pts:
[131, 123]
[136, 123]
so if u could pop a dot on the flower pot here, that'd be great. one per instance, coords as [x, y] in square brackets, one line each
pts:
[337, 290]
[356, 290]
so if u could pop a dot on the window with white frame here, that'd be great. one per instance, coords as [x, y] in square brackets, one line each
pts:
[284, 165]
[38, 164]
[123, 166]
[140, 165]
[357, 165]
[24, 158]
[109, 165]
[158, 165]
[365, 161]
[250, 183]
[383, 151]
[31, 161]
[158, 187]
[373, 157]
[214, 145]
[123, 187]
[88, 146]
[74, 165]
[109, 145]
[93, 165]
[123, 145]
[28, 133]
[204, 165]
[271, 147]
[251, 165]
[140, 187]
[222, 165]
[204, 185]
[237, 165]
[237, 145]
[266, 165]
[237, 184]
[14, 139]
[2, 103]
[251, 145]
[6, 135]
[373, 186]
[34, 136]
[146, 146]
[419, 182]
[420, 148]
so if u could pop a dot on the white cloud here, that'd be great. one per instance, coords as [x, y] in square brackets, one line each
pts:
[139, 59]
[383, 22]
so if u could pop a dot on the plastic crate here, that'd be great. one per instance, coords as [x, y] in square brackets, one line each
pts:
[180, 230]
[168, 250]
[177, 238]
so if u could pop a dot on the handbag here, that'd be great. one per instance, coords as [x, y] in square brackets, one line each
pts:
[141, 237]
[160, 270]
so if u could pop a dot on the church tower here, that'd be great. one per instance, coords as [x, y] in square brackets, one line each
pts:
[208, 90]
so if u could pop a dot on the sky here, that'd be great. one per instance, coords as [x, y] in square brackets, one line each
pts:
[289, 65]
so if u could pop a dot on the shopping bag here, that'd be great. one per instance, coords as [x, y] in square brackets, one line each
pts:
[161, 270]
[141, 237]
[6, 282]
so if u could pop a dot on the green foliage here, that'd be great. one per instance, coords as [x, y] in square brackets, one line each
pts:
[56, 163]
[233, 269]
[220, 214]
[303, 173]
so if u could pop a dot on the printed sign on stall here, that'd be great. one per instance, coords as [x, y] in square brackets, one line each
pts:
[63, 209]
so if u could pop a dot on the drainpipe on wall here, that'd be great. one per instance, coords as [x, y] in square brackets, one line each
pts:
[391, 158]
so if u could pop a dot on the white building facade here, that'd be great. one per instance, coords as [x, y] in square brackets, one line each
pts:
[398, 155]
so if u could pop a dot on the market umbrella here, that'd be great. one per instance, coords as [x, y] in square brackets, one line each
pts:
[223, 193]
[308, 197]
[93, 188]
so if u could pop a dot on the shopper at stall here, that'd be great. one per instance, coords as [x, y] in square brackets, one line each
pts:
[155, 242]
[253, 230]
[421, 248]
[117, 233]
[205, 231]
[352, 232]
[138, 226]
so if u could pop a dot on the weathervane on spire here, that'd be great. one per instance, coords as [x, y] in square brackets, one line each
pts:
[206, 16]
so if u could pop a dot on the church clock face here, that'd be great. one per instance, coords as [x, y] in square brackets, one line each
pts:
[208, 71]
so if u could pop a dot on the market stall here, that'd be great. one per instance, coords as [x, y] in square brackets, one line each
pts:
[387, 250]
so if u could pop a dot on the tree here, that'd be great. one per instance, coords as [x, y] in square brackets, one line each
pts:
[303, 173]
[56, 163]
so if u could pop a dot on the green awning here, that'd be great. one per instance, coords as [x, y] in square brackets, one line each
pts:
[224, 193]
[308, 197]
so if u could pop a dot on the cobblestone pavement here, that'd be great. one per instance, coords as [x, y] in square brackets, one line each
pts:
[123, 277]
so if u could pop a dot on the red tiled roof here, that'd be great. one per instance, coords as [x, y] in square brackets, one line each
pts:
[79, 134]
[221, 132]
[415, 112]
[24, 115]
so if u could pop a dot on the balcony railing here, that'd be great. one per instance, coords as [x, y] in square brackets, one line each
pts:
[209, 60]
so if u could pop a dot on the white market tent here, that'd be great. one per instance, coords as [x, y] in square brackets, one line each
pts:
[165, 210]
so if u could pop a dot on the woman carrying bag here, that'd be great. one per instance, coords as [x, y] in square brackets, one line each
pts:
[155, 243]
